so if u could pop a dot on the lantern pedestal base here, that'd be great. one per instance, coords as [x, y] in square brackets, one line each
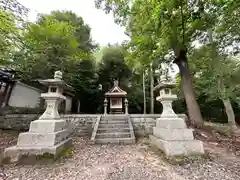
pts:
[172, 136]
[178, 148]
[16, 153]
[44, 136]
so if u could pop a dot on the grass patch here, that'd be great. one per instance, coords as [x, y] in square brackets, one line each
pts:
[67, 153]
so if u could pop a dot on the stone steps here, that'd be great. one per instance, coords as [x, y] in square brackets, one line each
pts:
[113, 135]
[113, 129]
[114, 117]
[113, 122]
[115, 141]
[103, 130]
[112, 125]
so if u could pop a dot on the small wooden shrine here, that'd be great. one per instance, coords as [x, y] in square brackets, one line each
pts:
[116, 97]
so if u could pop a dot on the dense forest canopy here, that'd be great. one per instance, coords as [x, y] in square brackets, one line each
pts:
[160, 32]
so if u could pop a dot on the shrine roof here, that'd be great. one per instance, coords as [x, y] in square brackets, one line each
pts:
[116, 91]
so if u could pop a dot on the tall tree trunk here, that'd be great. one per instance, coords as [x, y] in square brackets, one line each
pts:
[227, 104]
[230, 113]
[220, 85]
[144, 94]
[194, 112]
[151, 90]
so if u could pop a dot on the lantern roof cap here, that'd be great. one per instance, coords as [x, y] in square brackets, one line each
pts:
[164, 83]
[56, 81]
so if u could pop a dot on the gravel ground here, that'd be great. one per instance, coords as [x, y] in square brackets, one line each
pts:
[132, 162]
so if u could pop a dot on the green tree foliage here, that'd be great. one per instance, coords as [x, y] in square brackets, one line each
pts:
[60, 41]
[12, 15]
[14, 7]
[170, 27]
[160, 32]
[51, 44]
[228, 30]
[84, 79]
[220, 75]
[113, 67]
[81, 30]
[9, 36]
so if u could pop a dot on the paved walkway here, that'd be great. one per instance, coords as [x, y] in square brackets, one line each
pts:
[132, 162]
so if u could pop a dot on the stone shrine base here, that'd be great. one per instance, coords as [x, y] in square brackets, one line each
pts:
[178, 148]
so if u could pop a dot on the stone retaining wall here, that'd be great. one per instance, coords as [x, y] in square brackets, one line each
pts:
[82, 124]
[17, 121]
[143, 124]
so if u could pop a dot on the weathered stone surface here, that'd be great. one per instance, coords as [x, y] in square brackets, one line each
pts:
[46, 126]
[173, 134]
[17, 121]
[16, 152]
[52, 100]
[178, 148]
[80, 124]
[171, 123]
[41, 139]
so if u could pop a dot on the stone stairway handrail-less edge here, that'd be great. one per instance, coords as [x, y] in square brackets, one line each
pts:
[92, 140]
[131, 128]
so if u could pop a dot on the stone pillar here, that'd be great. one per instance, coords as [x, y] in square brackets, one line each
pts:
[105, 106]
[126, 105]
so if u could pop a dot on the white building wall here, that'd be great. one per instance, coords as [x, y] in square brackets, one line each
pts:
[24, 96]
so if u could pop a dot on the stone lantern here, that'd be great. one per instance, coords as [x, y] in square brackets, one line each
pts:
[49, 133]
[166, 97]
[105, 105]
[171, 133]
[54, 96]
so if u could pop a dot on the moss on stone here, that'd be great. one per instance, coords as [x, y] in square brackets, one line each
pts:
[44, 158]
[180, 160]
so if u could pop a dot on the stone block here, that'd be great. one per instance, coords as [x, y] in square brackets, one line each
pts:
[41, 139]
[14, 153]
[150, 120]
[47, 126]
[171, 123]
[173, 134]
[178, 148]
